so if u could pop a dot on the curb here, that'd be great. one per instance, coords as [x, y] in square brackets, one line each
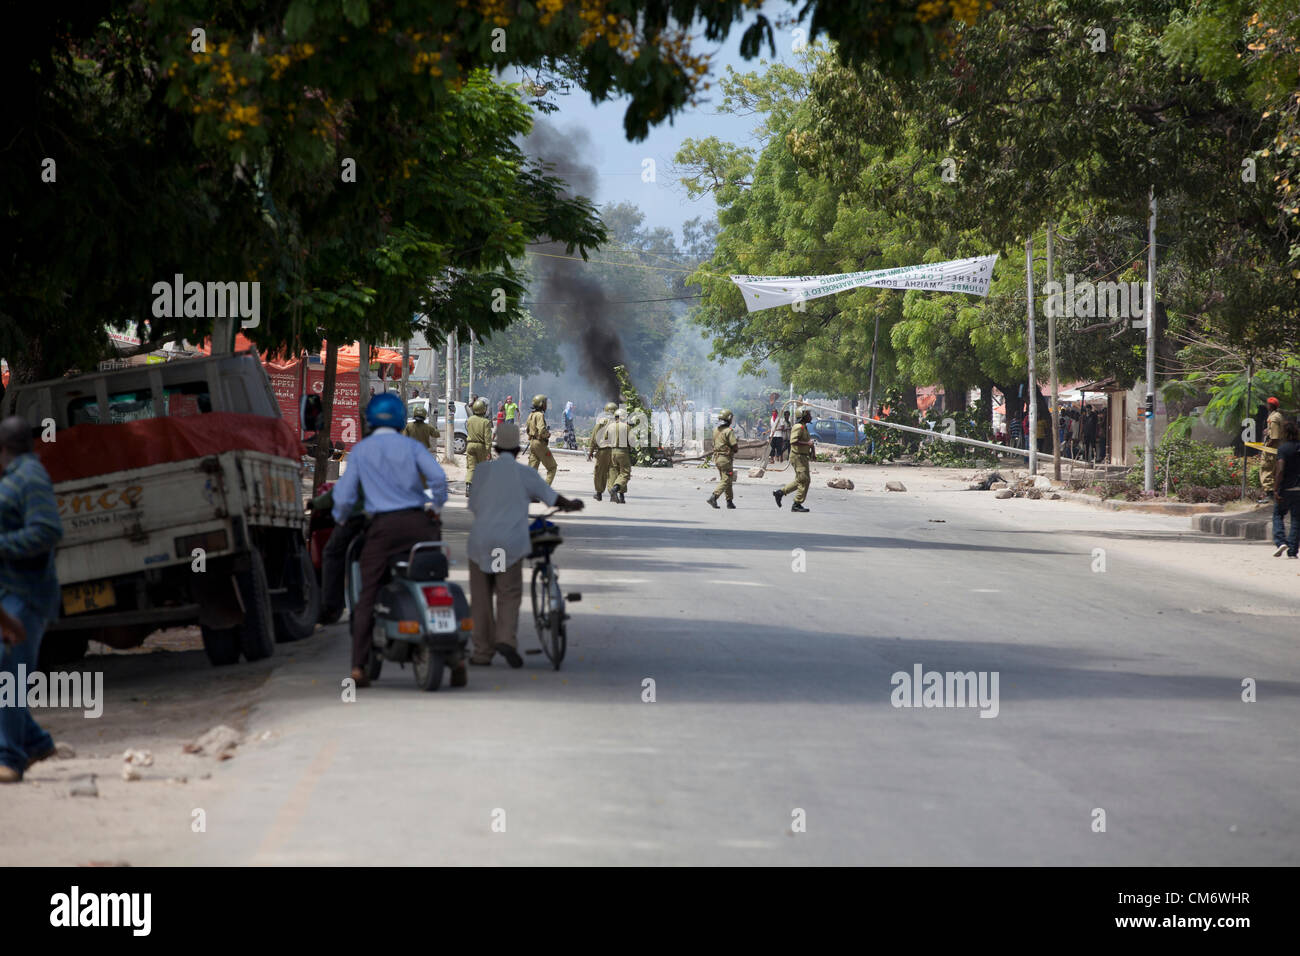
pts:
[1196, 509]
[1254, 525]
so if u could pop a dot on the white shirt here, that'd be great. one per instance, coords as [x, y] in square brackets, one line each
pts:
[499, 497]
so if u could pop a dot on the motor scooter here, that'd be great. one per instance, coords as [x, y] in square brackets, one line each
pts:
[420, 617]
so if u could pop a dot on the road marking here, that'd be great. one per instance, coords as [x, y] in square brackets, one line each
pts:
[296, 804]
[986, 590]
[741, 584]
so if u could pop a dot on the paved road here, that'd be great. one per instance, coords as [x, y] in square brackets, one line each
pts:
[1118, 690]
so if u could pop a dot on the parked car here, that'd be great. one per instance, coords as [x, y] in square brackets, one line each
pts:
[830, 431]
[459, 417]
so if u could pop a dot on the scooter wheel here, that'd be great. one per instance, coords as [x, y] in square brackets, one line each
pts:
[428, 666]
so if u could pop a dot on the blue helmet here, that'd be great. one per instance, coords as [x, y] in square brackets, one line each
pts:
[386, 410]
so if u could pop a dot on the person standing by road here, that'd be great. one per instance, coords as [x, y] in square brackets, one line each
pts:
[394, 471]
[781, 437]
[801, 452]
[1272, 439]
[620, 457]
[724, 453]
[498, 545]
[1286, 481]
[501, 413]
[29, 588]
[539, 439]
[426, 434]
[599, 448]
[512, 410]
[478, 438]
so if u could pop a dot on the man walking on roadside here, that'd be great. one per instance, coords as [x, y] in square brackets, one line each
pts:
[29, 588]
[498, 544]
[801, 452]
[1286, 479]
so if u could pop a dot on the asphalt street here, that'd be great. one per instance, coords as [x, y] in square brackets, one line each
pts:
[771, 639]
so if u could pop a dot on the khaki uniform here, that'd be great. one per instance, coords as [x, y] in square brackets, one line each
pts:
[478, 441]
[539, 445]
[600, 442]
[1267, 462]
[724, 453]
[620, 455]
[422, 432]
[799, 459]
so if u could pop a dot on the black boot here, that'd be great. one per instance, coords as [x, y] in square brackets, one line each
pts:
[730, 504]
[713, 501]
[599, 497]
[778, 495]
[798, 507]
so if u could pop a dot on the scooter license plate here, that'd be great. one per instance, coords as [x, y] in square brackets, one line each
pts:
[443, 619]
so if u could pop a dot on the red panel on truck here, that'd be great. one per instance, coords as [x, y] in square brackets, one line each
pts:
[84, 451]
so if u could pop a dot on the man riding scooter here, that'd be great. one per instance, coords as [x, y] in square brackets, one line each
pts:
[394, 471]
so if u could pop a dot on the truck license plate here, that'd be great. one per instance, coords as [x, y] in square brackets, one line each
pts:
[444, 619]
[79, 598]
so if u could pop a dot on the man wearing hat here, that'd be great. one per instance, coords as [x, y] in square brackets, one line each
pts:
[1272, 439]
[499, 543]
[421, 430]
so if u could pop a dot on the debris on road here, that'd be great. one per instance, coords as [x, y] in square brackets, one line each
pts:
[219, 742]
[895, 486]
[844, 483]
[1004, 493]
[83, 785]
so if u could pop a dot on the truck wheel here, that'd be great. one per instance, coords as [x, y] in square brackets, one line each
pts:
[59, 649]
[459, 444]
[221, 645]
[257, 633]
[291, 625]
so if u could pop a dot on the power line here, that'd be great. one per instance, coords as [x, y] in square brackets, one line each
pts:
[671, 298]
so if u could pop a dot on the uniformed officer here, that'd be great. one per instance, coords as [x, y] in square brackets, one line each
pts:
[1272, 439]
[620, 457]
[421, 430]
[539, 439]
[599, 447]
[478, 439]
[724, 453]
[801, 451]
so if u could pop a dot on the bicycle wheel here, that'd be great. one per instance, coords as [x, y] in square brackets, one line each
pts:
[545, 614]
[556, 621]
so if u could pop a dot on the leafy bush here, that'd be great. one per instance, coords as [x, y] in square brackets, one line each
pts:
[1186, 462]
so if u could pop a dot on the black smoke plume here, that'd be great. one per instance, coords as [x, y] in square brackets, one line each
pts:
[565, 291]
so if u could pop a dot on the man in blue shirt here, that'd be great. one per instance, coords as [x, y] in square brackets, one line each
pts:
[29, 588]
[394, 471]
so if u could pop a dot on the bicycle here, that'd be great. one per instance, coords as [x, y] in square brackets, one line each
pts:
[549, 614]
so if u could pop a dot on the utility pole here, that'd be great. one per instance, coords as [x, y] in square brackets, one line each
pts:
[871, 389]
[450, 428]
[471, 365]
[406, 369]
[1032, 437]
[1051, 358]
[1149, 452]
[363, 374]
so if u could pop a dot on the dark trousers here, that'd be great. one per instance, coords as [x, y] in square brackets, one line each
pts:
[334, 561]
[389, 533]
[1289, 505]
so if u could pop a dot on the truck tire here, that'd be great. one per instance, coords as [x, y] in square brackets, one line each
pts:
[221, 645]
[459, 444]
[59, 648]
[257, 633]
[291, 625]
